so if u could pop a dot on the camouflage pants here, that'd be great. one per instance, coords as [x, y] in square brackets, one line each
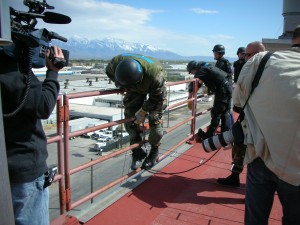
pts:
[133, 102]
[238, 155]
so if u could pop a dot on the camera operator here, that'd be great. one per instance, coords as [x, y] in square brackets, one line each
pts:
[218, 81]
[26, 142]
[272, 134]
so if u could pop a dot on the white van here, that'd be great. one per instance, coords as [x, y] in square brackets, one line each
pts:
[99, 145]
[109, 133]
[88, 135]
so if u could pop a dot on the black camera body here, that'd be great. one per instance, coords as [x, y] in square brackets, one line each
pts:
[59, 62]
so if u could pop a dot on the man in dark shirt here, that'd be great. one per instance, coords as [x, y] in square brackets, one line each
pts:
[222, 63]
[25, 102]
[216, 80]
[238, 64]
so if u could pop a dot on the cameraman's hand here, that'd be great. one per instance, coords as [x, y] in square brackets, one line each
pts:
[58, 54]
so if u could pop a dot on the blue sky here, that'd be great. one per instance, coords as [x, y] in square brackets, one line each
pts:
[186, 27]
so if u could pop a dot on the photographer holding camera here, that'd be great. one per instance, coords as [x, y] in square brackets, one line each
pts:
[219, 82]
[272, 134]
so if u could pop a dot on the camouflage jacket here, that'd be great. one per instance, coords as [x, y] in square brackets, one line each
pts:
[154, 79]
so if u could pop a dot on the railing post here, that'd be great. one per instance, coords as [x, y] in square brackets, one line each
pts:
[67, 151]
[92, 183]
[194, 109]
[168, 122]
[60, 116]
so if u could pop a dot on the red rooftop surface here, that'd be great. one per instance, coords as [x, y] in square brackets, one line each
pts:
[171, 197]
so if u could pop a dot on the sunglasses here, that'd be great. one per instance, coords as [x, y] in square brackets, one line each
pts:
[249, 54]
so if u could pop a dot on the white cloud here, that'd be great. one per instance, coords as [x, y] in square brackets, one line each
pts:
[101, 19]
[204, 11]
[98, 19]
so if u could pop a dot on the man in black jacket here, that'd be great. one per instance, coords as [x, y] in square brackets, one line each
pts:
[222, 63]
[217, 81]
[25, 102]
[238, 64]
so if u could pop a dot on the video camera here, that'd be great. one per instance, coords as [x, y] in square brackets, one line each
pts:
[25, 35]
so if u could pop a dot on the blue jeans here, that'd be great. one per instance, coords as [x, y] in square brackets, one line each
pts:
[261, 186]
[31, 202]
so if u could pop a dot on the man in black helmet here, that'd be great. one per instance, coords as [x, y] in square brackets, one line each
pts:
[238, 64]
[141, 76]
[216, 80]
[222, 63]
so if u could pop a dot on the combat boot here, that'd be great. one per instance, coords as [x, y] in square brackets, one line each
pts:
[200, 136]
[138, 156]
[151, 159]
[233, 180]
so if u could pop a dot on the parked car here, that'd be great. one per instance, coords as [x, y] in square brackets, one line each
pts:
[101, 132]
[98, 133]
[94, 136]
[109, 133]
[88, 135]
[123, 134]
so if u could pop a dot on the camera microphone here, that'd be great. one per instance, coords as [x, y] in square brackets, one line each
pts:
[47, 17]
[53, 35]
[56, 18]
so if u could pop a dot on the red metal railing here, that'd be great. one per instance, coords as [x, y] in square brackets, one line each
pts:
[63, 135]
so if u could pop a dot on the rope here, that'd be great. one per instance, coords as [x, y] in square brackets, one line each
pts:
[184, 171]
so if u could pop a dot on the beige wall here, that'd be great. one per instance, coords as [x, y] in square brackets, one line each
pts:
[276, 44]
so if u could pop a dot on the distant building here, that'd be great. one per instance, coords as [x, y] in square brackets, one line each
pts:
[42, 71]
[291, 15]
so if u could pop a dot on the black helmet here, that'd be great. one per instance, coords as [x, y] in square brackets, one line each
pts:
[192, 65]
[241, 50]
[201, 64]
[219, 49]
[128, 72]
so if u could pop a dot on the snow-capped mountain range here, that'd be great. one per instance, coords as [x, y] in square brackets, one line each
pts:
[83, 48]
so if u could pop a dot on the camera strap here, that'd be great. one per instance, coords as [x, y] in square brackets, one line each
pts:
[255, 82]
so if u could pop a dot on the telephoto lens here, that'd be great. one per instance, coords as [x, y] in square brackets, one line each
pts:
[218, 141]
